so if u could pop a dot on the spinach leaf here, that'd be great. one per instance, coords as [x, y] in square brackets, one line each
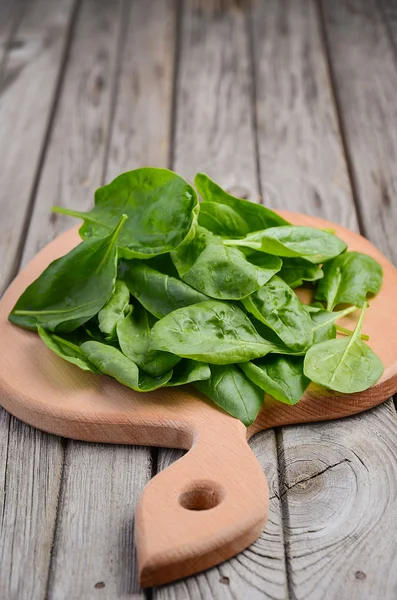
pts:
[217, 271]
[324, 323]
[161, 206]
[230, 389]
[114, 309]
[73, 288]
[133, 332]
[315, 245]
[111, 361]
[297, 270]
[92, 330]
[345, 365]
[210, 331]
[162, 263]
[268, 262]
[158, 293]
[222, 220]
[314, 307]
[280, 376]
[234, 217]
[188, 371]
[269, 335]
[348, 279]
[67, 347]
[278, 307]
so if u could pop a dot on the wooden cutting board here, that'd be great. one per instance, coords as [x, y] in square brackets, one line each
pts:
[213, 502]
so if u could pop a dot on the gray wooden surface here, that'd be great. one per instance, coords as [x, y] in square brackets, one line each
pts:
[292, 102]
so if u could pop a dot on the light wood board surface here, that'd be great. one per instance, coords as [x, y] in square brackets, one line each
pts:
[297, 529]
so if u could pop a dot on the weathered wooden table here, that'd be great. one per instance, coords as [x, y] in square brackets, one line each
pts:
[292, 102]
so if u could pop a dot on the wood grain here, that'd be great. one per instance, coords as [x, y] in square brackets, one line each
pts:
[31, 471]
[142, 114]
[316, 541]
[121, 91]
[31, 66]
[214, 119]
[302, 166]
[75, 153]
[30, 461]
[94, 554]
[359, 43]
[389, 11]
[259, 571]
[341, 531]
[214, 132]
[10, 15]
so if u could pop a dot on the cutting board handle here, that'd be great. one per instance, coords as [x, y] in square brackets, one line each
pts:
[203, 509]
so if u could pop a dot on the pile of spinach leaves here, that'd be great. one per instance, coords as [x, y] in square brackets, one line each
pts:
[165, 291]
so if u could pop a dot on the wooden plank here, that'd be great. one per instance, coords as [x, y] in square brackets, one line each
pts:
[94, 546]
[75, 154]
[302, 166]
[30, 462]
[214, 133]
[365, 74]
[325, 468]
[31, 66]
[389, 11]
[214, 119]
[10, 15]
[142, 120]
[340, 495]
[31, 469]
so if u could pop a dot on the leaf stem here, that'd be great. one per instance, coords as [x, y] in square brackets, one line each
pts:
[119, 225]
[356, 334]
[255, 245]
[79, 215]
[113, 240]
[349, 332]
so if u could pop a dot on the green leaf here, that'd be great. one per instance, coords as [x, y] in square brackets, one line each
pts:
[269, 335]
[158, 293]
[345, 365]
[161, 206]
[92, 330]
[111, 361]
[222, 220]
[217, 271]
[72, 289]
[133, 332]
[210, 331]
[114, 309]
[314, 245]
[349, 279]
[280, 376]
[227, 215]
[297, 270]
[188, 371]
[324, 323]
[67, 347]
[230, 389]
[278, 307]
[314, 307]
[268, 262]
[162, 263]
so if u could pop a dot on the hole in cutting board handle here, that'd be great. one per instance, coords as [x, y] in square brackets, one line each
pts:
[202, 495]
